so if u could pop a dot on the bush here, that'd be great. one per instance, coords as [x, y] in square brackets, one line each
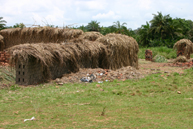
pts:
[159, 58]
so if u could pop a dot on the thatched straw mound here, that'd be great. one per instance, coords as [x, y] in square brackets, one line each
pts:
[180, 59]
[91, 36]
[1, 43]
[122, 50]
[38, 35]
[184, 45]
[72, 56]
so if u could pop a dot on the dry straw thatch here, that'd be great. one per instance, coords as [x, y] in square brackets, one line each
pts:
[1, 43]
[18, 36]
[91, 36]
[184, 45]
[122, 50]
[73, 56]
[180, 59]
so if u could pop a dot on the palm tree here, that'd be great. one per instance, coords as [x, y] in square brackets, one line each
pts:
[145, 34]
[174, 30]
[93, 26]
[2, 23]
[159, 25]
[121, 28]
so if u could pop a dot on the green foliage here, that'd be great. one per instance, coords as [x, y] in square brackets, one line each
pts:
[6, 75]
[83, 28]
[2, 23]
[164, 31]
[19, 25]
[168, 53]
[93, 26]
[159, 58]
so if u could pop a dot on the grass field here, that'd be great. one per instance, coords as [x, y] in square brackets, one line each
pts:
[156, 101]
[151, 102]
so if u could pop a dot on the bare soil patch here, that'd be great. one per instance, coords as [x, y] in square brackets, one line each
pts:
[122, 74]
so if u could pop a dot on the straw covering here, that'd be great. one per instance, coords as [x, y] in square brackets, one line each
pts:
[180, 59]
[122, 50]
[1, 43]
[184, 45]
[70, 49]
[73, 56]
[18, 36]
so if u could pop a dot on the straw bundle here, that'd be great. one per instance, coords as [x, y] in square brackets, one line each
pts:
[122, 50]
[1, 43]
[91, 36]
[184, 45]
[38, 35]
[180, 59]
[71, 56]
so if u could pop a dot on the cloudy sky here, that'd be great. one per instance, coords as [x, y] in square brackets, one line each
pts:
[80, 12]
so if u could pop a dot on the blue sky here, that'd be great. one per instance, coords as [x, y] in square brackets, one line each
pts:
[80, 12]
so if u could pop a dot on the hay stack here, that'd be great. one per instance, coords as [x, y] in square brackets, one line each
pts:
[184, 45]
[38, 35]
[180, 59]
[71, 56]
[1, 43]
[122, 50]
[91, 36]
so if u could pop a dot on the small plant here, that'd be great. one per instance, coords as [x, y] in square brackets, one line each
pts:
[103, 112]
[159, 58]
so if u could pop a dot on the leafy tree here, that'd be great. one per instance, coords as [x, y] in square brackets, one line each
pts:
[159, 25]
[93, 26]
[2, 23]
[120, 28]
[19, 25]
[83, 28]
[145, 34]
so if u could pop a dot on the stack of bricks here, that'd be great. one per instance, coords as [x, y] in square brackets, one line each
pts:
[181, 53]
[4, 58]
[148, 55]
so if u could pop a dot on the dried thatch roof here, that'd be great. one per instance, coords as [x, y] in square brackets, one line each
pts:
[185, 44]
[18, 36]
[122, 50]
[1, 43]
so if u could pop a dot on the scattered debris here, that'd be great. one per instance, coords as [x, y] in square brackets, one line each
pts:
[100, 75]
[180, 64]
[33, 118]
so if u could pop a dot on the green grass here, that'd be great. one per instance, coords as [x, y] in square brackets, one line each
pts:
[168, 53]
[151, 102]
[7, 75]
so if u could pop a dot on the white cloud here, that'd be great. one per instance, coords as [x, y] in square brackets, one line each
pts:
[109, 15]
[59, 12]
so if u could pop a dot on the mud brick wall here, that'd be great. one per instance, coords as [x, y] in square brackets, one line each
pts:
[148, 55]
[4, 57]
[28, 73]
[32, 73]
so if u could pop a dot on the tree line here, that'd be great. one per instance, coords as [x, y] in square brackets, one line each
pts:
[162, 30]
